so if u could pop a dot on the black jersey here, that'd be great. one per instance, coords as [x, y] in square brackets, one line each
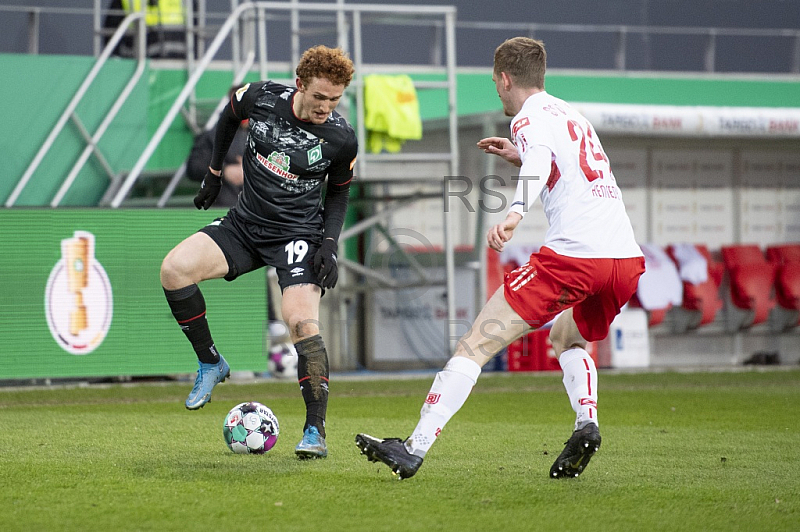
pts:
[287, 161]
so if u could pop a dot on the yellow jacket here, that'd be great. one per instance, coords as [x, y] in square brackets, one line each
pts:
[163, 13]
[391, 112]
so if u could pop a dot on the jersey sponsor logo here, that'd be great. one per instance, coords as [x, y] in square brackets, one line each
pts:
[278, 163]
[519, 124]
[433, 398]
[296, 272]
[241, 91]
[314, 154]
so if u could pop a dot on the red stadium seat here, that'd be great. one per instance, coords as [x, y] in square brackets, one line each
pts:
[702, 298]
[654, 316]
[716, 269]
[787, 286]
[660, 287]
[786, 259]
[784, 253]
[751, 279]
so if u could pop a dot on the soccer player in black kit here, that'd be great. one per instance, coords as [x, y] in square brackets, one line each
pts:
[296, 141]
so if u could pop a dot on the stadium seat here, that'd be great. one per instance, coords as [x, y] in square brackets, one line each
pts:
[786, 260]
[751, 279]
[660, 286]
[701, 297]
[655, 316]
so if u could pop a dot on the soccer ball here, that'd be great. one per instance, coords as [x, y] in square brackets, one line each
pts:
[250, 428]
[283, 361]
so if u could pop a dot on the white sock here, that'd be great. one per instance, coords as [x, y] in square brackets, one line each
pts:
[580, 380]
[447, 395]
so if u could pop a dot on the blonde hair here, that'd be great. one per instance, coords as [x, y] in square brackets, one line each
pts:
[323, 62]
[524, 59]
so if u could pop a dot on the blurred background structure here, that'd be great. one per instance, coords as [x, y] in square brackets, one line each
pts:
[697, 105]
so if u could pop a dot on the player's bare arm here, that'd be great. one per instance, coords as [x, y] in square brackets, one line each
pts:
[501, 147]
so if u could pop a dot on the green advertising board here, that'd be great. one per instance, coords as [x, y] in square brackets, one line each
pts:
[82, 296]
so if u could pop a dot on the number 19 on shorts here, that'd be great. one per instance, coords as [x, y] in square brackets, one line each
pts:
[296, 251]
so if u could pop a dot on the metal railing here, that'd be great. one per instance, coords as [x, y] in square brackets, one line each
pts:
[92, 140]
[350, 19]
[203, 23]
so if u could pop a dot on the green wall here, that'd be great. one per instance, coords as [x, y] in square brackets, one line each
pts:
[143, 338]
[35, 91]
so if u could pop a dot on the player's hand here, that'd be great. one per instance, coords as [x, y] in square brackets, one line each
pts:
[502, 147]
[502, 232]
[325, 265]
[209, 191]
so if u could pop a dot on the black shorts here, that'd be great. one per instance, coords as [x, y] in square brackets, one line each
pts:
[248, 247]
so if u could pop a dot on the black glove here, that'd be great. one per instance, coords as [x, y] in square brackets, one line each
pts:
[325, 265]
[209, 191]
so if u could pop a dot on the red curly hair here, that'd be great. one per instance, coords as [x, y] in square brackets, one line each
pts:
[323, 62]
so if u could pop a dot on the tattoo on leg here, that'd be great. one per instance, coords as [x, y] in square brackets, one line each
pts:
[316, 287]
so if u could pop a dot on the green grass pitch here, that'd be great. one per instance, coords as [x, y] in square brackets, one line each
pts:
[681, 451]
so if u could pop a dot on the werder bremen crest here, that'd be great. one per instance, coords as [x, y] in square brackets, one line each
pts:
[314, 154]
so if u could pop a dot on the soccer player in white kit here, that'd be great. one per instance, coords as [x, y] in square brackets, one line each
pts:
[586, 271]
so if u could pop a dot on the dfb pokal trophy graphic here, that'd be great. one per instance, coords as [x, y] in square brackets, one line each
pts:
[76, 253]
[78, 299]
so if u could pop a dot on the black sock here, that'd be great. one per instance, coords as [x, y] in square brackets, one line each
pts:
[312, 374]
[189, 308]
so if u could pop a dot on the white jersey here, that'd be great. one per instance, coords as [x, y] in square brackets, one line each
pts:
[581, 199]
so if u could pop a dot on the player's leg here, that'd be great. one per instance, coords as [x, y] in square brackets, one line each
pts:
[194, 260]
[580, 381]
[589, 320]
[301, 295]
[580, 373]
[300, 308]
[495, 327]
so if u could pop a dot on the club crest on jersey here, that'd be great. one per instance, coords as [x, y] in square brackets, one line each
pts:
[314, 154]
[519, 124]
[278, 163]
